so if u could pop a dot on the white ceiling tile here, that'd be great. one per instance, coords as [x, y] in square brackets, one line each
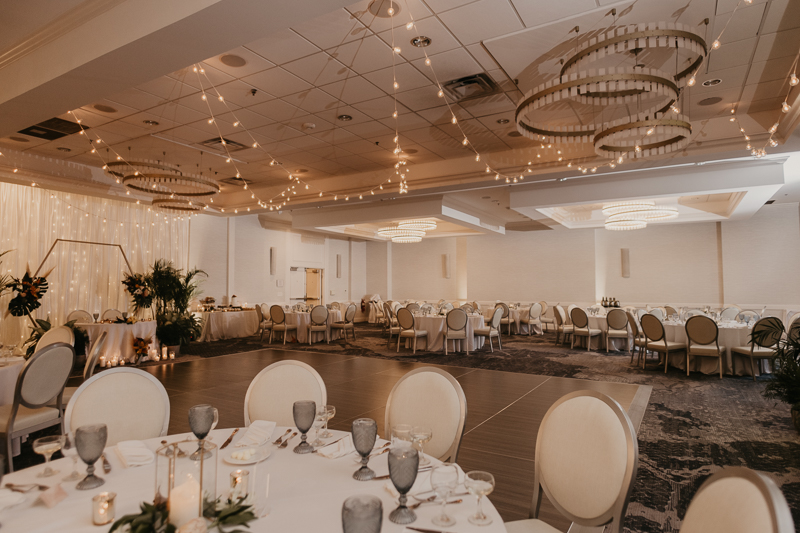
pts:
[365, 55]
[186, 134]
[449, 65]
[732, 55]
[417, 9]
[726, 6]
[177, 113]
[279, 132]
[318, 69]
[277, 81]
[28, 142]
[241, 93]
[300, 124]
[484, 59]
[88, 118]
[360, 146]
[277, 110]
[282, 47]
[541, 13]
[407, 78]
[423, 98]
[307, 142]
[722, 108]
[490, 105]
[406, 122]
[331, 115]
[211, 102]
[136, 99]
[731, 78]
[333, 29]
[336, 136]
[743, 25]
[253, 63]
[381, 108]
[167, 88]
[482, 20]
[441, 39]
[209, 77]
[216, 128]
[775, 69]
[490, 121]
[312, 101]
[775, 45]
[367, 130]
[443, 115]
[781, 15]
[761, 91]
[440, 6]
[353, 90]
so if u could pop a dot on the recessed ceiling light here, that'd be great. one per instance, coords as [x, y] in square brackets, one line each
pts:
[711, 83]
[380, 8]
[421, 41]
[150, 122]
[300, 170]
[19, 139]
[514, 134]
[64, 149]
[345, 118]
[232, 60]
[104, 108]
[710, 101]
[503, 121]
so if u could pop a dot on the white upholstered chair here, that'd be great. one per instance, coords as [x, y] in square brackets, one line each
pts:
[263, 323]
[562, 330]
[506, 319]
[348, 323]
[546, 321]
[319, 323]
[534, 318]
[279, 325]
[92, 357]
[39, 387]
[80, 316]
[455, 328]
[738, 500]
[730, 313]
[132, 403]
[569, 313]
[617, 320]
[111, 314]
[55, 335]
[669, 310]
[274, 390]
[447, 307]
[413, 307]
[468, 308]
[702, 335]
[580, 327]
[639, 339]
[492, 329]
[408, 329]
[586, 460]
[765, 335]
[656, 341]
[391, 322]
[335, 305]
[640, 313]
[410, 403]
[658, 313]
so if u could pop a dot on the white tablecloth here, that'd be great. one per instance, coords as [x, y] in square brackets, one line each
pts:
[302, 320]
[435, 326]
[306, 493]
[119, 342]
[228, 324]
[601, 323]
[729, 337]
[8, 379]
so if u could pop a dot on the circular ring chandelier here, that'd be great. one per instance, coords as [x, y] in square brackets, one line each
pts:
[632, 215]
[625, 225]
[420, 224]
[178, 206]
[161, 179]
[643, 138]
[401, 236]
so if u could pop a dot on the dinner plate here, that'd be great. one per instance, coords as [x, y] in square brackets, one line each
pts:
[260, 455]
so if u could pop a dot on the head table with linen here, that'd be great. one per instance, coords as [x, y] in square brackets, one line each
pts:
[302, 319]
[119, 342]
[228, 324]
[305, 492]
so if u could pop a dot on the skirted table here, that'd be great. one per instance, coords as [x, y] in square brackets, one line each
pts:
[219, 325]
[119, 342]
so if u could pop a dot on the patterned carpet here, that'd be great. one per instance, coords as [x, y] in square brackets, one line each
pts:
[693, 426]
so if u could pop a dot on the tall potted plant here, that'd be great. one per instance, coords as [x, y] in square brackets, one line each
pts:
[172, 291]
[784, 384]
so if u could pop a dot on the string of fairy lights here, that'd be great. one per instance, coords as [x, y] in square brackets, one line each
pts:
[280, 199]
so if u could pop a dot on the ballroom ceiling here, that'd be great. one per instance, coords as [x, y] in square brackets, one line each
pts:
[292, 89]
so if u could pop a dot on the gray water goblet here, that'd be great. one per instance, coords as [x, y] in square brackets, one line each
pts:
[365, 431]
[202, 419]
[362, 514]
[403, 468]
[304, 411]
[90, 441]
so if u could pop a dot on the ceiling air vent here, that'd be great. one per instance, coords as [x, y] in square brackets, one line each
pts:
[215, 143]
[53, 129]
[235, 181]
[469, 87]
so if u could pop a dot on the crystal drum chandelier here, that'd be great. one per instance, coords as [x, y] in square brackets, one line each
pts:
[624, 216]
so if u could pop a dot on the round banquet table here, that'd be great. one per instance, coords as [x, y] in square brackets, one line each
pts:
[302, 319]
[306, 492]
[516, 315]
[119, 342]
[730, 336]
[435, 325]
[228, 324]
[601, 323]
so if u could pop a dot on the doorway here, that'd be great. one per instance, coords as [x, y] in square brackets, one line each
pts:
[306, 285]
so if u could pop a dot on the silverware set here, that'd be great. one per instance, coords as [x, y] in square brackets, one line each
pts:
[285, 443]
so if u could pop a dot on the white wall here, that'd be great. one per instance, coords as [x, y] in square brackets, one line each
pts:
[418, 270]
[208, 250]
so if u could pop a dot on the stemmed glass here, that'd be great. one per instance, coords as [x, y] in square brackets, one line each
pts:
[90, 442]
[365, 431]
[47, 446]
[444, 479]
[401, 435]
[421, 435]
[403, 467]
[202, 419]
[319, 421]
[330, 412]
[68, 449]
[95, 316]
[305, 413]
[479, 484]
[362, 514]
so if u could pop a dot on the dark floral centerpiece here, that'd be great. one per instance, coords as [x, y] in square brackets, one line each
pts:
[141, 347]
[141, 291]
[28, 293]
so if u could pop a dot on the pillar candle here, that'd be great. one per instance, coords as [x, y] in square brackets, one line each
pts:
[184, 502]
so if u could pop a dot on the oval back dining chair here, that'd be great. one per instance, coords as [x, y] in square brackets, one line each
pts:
[40, 381]
[263, 323]
[546, 320]
[580, 327]
[617, 321]
[476, 306]
[491, 329]
[656, 341]
[639, 339]
[334, 305]
[658, 313]
[319, 323]
[534, 318]
[670, 310]
[506, 319]
[111, 314]
[561, 327]
[456, 328]
[702, 336]
[586, 460]
[80, 316]
[793, 335]
[279, 325]
[408, 329]
[730, 313]
[468, 308]
[92, 358]
[348, 323]
[413, 307]
[132, 403]
[272, 393]
[738, 500]
[55, 335]
[410, 403]
[766, 334]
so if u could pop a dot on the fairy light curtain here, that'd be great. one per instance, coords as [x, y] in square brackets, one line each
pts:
[85, 276]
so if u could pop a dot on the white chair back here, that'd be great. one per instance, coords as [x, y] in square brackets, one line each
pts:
[272, 393]
[658, 313]
[58, 334]
[132, 403]
[94, 354]
[586, 459]
[410, 403]
[111, 314]
[640, 313]
[456, 320]
[350, 313]
[405, 319]
[730, 313]
[80, 316]
[738, 500]
[277, 315]
[535, 311]
[44, 375]
[319, 315]
[413, 307]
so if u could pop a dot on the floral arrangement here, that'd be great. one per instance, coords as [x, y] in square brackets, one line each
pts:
[138, 286]
[125, 320]
[29, 290]
[141, 346]
[154, 518]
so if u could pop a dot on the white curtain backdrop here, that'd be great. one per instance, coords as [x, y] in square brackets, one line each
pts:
[86, 276]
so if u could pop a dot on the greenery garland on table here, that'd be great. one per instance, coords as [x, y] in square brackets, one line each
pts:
[154, 517]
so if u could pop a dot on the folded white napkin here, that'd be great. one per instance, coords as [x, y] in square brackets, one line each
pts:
[258, 433]
[339, 449]
[134, 453]
[9, 498]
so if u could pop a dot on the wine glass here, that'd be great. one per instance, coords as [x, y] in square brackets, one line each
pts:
[330, 411]
[444, 479]
[401, 435]
[420, 436]
[95, 316]
[479, 484]
[362, 514]
[305, 413]
[202, 419]
[319, 421]
[47, 446]
[69, 450]
[403, 467]
[365, 431]
[90, 442]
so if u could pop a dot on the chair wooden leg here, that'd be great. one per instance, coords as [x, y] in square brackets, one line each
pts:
[572, 344]
[398, 343]
[270, 335]
[687, 363]
[666, 360]
[499, 340]
[490, 343]
[720, 366]
[415, 346]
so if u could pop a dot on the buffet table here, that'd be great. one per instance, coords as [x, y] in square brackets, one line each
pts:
[219, 325]
[305, 493]
[119, 341]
